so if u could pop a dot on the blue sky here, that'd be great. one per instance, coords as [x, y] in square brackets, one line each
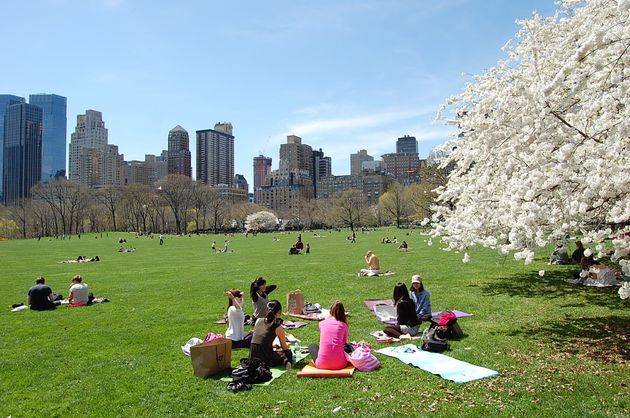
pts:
[343, 75]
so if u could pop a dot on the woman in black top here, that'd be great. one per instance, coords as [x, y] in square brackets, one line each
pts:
[407, 321]
[265, 331]
[259, 292]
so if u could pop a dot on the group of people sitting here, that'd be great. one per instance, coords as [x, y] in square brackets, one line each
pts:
[41, 296]
[581, 256]
[330, 354]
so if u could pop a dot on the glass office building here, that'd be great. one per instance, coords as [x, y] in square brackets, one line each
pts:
[6, 100]
[54, 133]
[22, 150]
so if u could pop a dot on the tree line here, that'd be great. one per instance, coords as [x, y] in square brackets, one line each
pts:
[177, 204]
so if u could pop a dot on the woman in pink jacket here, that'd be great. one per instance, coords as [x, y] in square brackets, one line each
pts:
[329, 354]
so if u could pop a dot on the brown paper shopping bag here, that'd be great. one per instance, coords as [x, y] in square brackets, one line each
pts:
[295, 302]
[211, 357]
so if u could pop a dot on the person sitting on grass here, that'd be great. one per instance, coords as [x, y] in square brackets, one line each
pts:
[79, 293]
[236, 319]
[265, 332]
[578, 254]
[294, 250]
[403, 246]
[333, 339]
[259, 293]
[40, 296]
[373, 265]
[559, 255]
[407, 321]
[421, 298]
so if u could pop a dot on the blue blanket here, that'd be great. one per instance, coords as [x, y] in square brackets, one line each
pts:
[447, 367]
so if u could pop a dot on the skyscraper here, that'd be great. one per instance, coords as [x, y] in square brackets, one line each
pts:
[322, 167]
[179, 159]
[6, 100]
[356, 160]
[93, 162]
[262, 168]
[296, 156]
[54, 133]
[407, 144]
[22, 166]
[215, 155]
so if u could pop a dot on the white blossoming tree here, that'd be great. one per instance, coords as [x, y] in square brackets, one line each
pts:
[542, 147]
[261, 221]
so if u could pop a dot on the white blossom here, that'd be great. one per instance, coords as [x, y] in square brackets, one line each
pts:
[466, 258]
[543, 138]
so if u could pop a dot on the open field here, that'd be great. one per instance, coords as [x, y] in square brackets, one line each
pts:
[561, 350]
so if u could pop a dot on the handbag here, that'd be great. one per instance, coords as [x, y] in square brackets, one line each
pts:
[363, 359]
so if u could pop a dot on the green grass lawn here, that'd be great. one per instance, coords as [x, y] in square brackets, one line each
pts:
[560, 350]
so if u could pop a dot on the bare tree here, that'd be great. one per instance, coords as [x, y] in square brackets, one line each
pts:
[138, 200]
[20, 213]
[349, 207]
[63, 197]
[177, 191]
[111, 197]
[217, 209]
[200, 202]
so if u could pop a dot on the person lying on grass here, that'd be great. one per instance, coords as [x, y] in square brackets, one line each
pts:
[333, 340]
[236, 319]
[259, 292]
[407, 322]
[265, 332]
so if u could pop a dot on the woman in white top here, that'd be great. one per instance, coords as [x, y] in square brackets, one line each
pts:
[236, 319]
[79, 293]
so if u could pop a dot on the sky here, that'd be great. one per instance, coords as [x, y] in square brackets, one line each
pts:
[343, 75]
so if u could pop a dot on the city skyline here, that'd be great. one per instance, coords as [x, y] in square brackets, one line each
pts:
[343, 76]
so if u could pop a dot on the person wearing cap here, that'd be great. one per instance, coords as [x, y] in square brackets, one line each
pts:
[421, 298]
[373, 264]
[236, 319]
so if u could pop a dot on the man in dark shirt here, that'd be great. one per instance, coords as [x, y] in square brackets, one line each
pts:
[40, 296]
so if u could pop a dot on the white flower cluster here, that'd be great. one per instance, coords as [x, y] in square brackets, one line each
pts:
[543, 139]
[624, 290]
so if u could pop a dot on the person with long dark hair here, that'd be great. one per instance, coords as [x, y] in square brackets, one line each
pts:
[236, 319]
[407, 322]
[259, 292]
[333, 337]
[421, 298]
[265, 331]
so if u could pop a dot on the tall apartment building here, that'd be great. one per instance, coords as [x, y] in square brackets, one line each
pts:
[287, 188]
[262, 168]
[6, 100]
[371, 185]
[407, 145]
[93, 162]
[22, 166]
[241, 183]
[322, 167]
[54, 133]
[179, 159]
[404, 167]
[148, 171]
[356, 160]
[215, 155]
[296, 156]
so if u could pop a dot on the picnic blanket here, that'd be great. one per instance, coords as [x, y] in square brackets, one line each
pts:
[325, 313]
[276, 371]
[311, 371]
[285, 324]
[385, 311]
[447, 367]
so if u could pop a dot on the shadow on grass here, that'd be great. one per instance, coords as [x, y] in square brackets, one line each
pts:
[550, 286]
[604, 338]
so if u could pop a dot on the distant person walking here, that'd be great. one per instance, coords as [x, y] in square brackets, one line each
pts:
[214, 246]
[161, 239]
